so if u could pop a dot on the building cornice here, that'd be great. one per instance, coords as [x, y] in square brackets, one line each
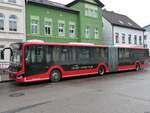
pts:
[9, 6]
[4, 39]
[9, 32]
[12, 4]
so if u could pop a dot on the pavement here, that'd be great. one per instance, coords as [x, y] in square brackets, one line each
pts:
[123, 92]
[4, 76]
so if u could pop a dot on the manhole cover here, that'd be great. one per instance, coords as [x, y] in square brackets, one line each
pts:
[16, 94]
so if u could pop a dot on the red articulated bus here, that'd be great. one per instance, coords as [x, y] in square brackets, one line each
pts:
[38, 61]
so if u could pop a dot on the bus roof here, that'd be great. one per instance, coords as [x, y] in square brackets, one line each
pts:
[64, 44]
[131, 47]
[79, 44]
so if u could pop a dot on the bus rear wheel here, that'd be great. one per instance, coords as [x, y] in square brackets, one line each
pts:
[101, 71]
[137, 67]
[55, 76]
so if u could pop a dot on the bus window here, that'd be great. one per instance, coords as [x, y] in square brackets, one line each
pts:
[99, 54]
[138, 54]
[27, 55]
[83, 54]
[124, 53]
[73, 55]
[127, 53]
[48, 54]
[38, 53]
[34, 54]
[64, 54]
[103, 54]
[146, 53]
[56, 51]
[95, 55]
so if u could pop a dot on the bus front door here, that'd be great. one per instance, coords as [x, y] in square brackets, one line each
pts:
[34, 60]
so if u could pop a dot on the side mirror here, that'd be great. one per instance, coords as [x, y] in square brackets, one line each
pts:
[11, 53]
[2, 54]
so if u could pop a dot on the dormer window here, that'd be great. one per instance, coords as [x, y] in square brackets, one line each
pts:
[129, 24]
[91, 11]
[121, 22]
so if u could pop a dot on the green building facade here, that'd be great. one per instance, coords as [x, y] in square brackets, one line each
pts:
[79, 21]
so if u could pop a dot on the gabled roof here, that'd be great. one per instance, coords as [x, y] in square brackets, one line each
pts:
[52, 4]
[76, 1]
[120, 20]
[146, 26]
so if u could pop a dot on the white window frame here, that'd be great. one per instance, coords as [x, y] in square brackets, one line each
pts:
[91, 11]
[72, 31]
[86, 11]
[145, 37]
[135, 39]
[13, 23]
[2, 18]
[49, 27]
[87, 32]
[96, 33]
[61, 28]
[117, 38]
[123, 38]
[1, 48]
[33, 25]
[140, 40]
[129, 39]
[0, 56]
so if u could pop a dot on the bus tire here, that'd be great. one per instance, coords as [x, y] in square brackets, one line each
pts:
[137, 67]
[55, 76]
[101, 71]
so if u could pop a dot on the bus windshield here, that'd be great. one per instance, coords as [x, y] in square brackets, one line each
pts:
[15, 59]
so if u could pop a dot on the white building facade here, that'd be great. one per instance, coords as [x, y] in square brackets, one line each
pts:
[147, 37]
[12, 24]
[119, 30]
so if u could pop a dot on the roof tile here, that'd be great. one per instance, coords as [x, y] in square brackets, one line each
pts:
[120, 20]
[54, 4]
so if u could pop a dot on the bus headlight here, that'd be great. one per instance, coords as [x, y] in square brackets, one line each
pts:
[19, 76]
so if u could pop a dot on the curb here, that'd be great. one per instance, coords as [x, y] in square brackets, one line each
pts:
[6, 81]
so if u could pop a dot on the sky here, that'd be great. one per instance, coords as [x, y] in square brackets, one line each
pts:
[137, 10]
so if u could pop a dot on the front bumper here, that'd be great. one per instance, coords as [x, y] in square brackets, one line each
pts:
[12, 75]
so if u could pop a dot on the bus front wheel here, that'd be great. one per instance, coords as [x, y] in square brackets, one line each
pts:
[55, 76]
[101, 71]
